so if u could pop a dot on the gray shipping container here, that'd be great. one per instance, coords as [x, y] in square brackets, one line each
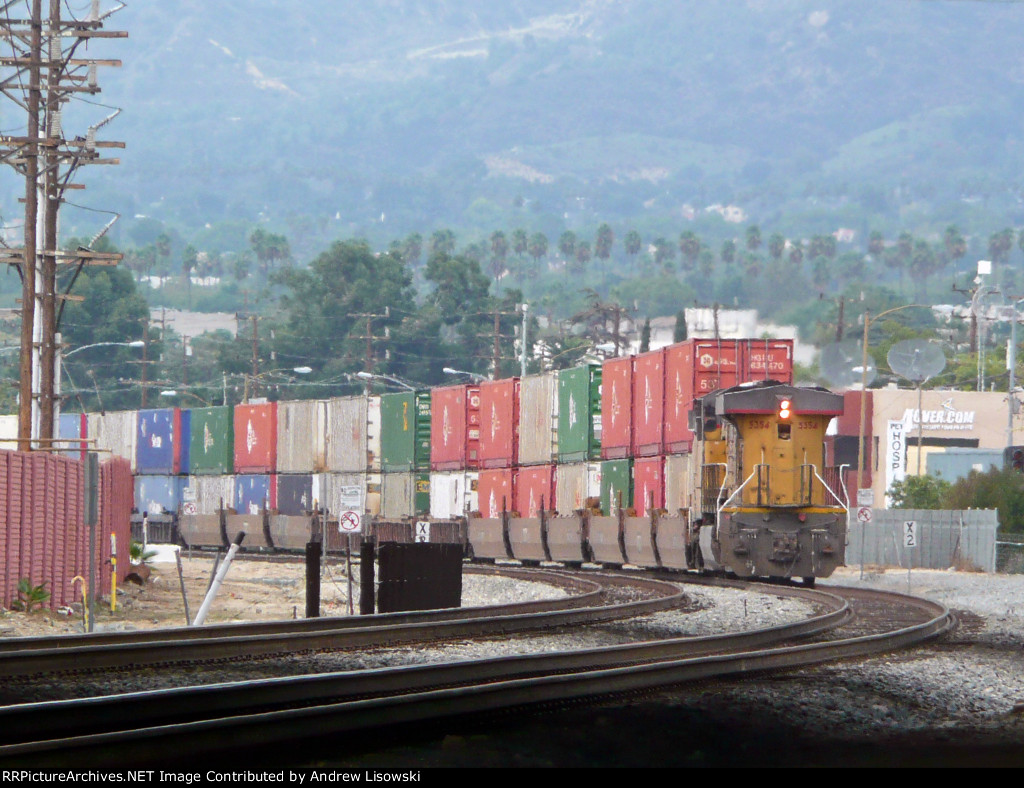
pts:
[678, 482]
[574, 483]
[206, 492]
[302, 436]
[538, 419]
[405, 494]
[353, 434]
[114, 432]
[369, 485]
[957, 463]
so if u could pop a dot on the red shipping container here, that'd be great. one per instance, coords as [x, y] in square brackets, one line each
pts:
[648, 403]
[715, 365]
[616, 408]
[499, 423]
[256, 438]
[496, 491]
[677, 436]
[767, 359]
[454, 428]
[648, 484]
[535, 486]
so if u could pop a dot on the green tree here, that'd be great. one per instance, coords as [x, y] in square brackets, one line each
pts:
[645, 336]
[999, 245]
[499, 253]
[776, 246]
[679, 335]
[919, 492]
[320, 329]
[189, 260]
[664, 254]
[995, 489]
[111, 310]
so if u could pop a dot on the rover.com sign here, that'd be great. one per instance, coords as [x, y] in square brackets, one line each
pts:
[945, 418]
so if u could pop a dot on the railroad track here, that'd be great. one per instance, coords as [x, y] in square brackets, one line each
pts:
[213, 719]
[593, 599]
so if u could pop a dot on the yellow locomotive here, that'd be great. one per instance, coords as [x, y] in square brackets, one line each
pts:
[768, 505]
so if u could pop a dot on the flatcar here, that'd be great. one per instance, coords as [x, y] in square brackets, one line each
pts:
[765, 503]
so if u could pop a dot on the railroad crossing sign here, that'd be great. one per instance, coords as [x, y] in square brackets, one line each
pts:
[864, 514]
[350, 522]
[422, 531]
[910, 533]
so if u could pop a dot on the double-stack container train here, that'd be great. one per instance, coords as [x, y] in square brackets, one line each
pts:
[677, 458]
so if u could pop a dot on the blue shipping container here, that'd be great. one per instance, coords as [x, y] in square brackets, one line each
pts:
[183, 440]
[294, 493]
[73, 425]
[254, 492]
[155, 446]
[159, 494]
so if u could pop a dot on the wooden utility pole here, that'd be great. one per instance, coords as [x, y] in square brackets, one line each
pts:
[40, 76]
[255, 357]
[145, 361]
[368, 363]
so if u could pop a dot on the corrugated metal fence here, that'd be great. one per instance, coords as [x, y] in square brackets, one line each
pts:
[964, 539]
[42, 535]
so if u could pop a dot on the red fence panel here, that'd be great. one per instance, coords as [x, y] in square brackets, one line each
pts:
[42, 536]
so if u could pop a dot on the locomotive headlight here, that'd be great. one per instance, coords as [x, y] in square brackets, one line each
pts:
[784, 409]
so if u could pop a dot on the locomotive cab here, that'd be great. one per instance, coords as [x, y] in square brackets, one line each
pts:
[770, 507]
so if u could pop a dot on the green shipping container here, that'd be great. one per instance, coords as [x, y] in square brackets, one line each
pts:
[405, 431]
[616, 485]
[212, 447]
[579, 414]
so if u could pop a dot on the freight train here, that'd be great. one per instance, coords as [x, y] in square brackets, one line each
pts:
[676, 458]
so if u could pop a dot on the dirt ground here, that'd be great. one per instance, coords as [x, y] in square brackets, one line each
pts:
[254, 590]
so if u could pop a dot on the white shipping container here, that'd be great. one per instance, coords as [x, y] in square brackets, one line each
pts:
[302, 436]
[574, 483]
[207, 492]
[338, 484]
[453, 493]
[113, 434]
[9, 433]
[678, 482]
[353, 434]
[538, 419]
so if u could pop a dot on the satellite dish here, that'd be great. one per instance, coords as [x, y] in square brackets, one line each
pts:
[841, 364]
[916, 359]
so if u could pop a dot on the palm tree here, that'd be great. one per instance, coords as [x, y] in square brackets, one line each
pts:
[582, 255]
[923, 263]
[538, 248]
[664, 254]
[753, 238]
[442, 242]
[567, 245]
[499, 254]
[633, 243]
[776, 247]
[689, 247]
[728, 253]
[876, 243]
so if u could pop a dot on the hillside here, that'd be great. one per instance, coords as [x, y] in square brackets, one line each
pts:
[390, 117]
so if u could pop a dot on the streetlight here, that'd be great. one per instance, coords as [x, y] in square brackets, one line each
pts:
[256, 378]
[174, 393]
[475, 376]
[389, 378]
[58, 361]
[133, 343]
